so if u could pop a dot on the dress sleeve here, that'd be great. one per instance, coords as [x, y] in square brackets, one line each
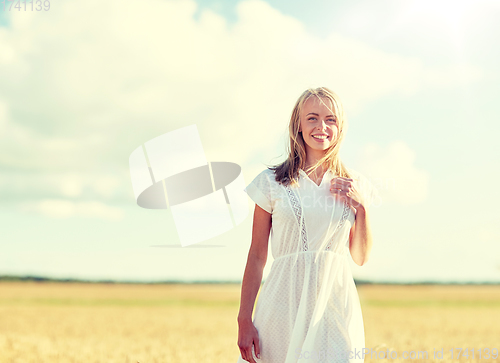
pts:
[259, 190]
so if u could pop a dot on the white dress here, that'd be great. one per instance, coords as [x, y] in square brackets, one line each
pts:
[308, 309]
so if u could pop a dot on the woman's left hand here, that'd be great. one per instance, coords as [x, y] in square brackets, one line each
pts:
[348, 190]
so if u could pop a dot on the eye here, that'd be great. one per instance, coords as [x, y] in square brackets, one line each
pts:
[330, 120]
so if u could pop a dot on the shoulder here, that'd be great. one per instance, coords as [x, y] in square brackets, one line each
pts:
[268, 174]
[264, 177]
[365, 184]
[354, 173]
[265, 174]
[367, 187]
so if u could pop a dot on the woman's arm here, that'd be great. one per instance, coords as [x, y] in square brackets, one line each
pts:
[252, 278]
[257, 257]
[360, 237]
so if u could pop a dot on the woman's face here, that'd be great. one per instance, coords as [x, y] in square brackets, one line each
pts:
[316, 120]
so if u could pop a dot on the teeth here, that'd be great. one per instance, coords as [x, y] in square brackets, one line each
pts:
[320, 137]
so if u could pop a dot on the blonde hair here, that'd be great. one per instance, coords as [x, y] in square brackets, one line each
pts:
[287, 172]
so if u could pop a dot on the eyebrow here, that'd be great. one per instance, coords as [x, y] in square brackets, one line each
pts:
[312, 113]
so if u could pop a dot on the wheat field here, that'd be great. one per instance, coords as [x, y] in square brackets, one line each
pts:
[130, 323]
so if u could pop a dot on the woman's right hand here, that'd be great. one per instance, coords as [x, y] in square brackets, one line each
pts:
[248, 336]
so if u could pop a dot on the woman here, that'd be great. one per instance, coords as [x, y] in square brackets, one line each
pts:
[316, 212]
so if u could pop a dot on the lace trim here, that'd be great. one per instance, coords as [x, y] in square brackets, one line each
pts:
[345, 213]
[297, 210]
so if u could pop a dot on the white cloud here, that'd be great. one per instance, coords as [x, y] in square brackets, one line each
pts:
[88, 86]
[72, 184]
[57, 208]
[393, 172]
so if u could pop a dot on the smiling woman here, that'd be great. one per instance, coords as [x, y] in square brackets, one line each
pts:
[308, 306]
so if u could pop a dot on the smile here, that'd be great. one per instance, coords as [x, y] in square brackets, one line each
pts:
[321, 138]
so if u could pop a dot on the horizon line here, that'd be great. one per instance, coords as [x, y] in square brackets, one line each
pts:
[38, 278]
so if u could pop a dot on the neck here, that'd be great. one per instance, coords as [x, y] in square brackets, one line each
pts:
[310, 163]
[313, 156]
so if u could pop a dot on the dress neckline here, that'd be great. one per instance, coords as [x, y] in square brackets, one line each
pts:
[301, 171]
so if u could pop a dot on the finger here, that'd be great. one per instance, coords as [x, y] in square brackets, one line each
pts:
[342, 194]
[342, 182]
[245, 355]
[249, 354]
[343, 179]
[257, 347]
[337, 187]
[249, 357]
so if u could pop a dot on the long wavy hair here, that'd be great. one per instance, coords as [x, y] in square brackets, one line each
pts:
[287, 172]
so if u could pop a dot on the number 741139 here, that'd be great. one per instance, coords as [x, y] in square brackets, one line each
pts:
[25, 5]
[485, 353]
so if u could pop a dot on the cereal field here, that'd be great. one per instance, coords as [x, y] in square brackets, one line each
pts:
[72, 322]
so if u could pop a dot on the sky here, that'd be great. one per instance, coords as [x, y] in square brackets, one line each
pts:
[86, 82]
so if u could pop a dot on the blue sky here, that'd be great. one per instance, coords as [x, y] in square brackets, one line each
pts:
[85, 83]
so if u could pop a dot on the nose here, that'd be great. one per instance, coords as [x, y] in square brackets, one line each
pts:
[323, 125]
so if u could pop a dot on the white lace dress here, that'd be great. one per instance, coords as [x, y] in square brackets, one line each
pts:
[308, 309]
